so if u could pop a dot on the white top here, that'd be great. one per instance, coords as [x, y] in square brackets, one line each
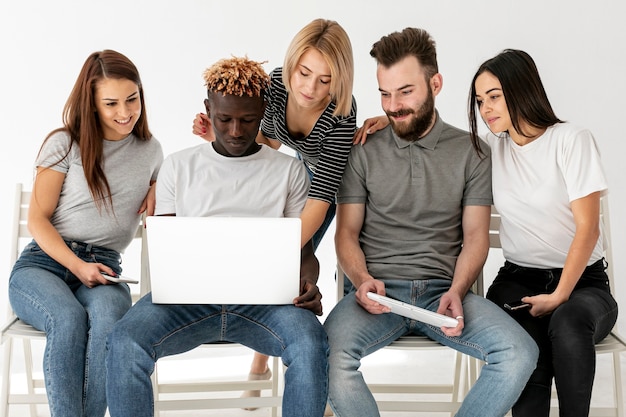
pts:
[533, 186]
[198, 182]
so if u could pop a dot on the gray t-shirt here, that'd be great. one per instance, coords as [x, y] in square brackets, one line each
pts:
[129, 165]
[414, 194]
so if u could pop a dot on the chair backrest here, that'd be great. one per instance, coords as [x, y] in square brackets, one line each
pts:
[606, 234]
[20, 231]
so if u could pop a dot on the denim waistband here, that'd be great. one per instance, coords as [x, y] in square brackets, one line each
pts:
[87, 248]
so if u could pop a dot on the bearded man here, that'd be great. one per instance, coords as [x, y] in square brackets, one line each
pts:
[412, 223]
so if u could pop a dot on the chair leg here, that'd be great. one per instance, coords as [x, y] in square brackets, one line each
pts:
[6, 374]
[275, 379]
[458, 378]
[155, 392]
[28, 363]
[617, 385]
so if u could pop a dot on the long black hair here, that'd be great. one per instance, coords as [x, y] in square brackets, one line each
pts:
[526, 99]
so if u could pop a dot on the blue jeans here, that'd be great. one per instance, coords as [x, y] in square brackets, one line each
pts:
[151, 331]
[76, 319]
[489, 334]
[566, 338]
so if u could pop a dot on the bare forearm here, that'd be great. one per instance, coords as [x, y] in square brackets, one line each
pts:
[312, 217]
[468, 266]
[351, 259]
[49, 240]
[586, 211]
[475, 248]
[310, 266]
[577, 259]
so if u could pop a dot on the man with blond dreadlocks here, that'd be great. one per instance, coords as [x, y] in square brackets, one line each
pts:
[199, 182]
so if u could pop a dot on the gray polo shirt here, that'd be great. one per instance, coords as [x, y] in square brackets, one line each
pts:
[414, 193]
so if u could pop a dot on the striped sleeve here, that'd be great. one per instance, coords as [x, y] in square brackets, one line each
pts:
[335, 136]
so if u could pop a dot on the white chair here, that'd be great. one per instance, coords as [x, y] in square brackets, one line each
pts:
[418, 397]
[197, 393]
[613, 344]
[15, 329]
[216, 394]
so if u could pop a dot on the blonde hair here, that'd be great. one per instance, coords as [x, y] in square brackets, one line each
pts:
[328, 37]
[237, 76]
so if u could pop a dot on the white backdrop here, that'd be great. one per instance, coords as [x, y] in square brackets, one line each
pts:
[579, 47]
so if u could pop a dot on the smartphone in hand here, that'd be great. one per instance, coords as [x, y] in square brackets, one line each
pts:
[119, 278]
[516, 305]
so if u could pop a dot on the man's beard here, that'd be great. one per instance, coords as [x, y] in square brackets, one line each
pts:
[415, 128]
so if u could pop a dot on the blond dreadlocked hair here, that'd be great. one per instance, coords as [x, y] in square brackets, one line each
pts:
[237, 76]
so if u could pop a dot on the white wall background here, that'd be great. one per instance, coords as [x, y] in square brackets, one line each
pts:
[579, 47]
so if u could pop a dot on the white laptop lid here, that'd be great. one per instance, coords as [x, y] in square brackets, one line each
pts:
[223, 260]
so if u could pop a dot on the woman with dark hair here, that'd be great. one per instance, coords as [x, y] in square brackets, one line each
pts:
[92, 180]
[547, 184]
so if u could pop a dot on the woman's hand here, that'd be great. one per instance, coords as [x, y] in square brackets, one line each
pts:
[371, 125]
[202, 127]
[149, 202]
[543, 304]
[90, 274]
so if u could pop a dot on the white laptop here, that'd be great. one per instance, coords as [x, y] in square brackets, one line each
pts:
[223, 260]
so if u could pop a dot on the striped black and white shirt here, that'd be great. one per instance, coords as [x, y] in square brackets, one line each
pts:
[324, 151]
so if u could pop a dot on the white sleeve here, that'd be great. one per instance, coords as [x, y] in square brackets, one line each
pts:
[581, 165]
[166, 189]
[298, 190]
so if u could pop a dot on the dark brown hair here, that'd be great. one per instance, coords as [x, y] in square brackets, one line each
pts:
[81, 122]
[526, 99]
[415, 42]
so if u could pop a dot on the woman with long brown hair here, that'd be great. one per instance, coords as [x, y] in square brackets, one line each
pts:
[92, 179]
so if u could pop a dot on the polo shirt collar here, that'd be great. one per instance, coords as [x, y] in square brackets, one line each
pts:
[429, 141]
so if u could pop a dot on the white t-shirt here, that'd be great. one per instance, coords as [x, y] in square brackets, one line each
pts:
[533, 186]
[199, 182]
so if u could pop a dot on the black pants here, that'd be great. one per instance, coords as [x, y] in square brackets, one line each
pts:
[566, 338]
